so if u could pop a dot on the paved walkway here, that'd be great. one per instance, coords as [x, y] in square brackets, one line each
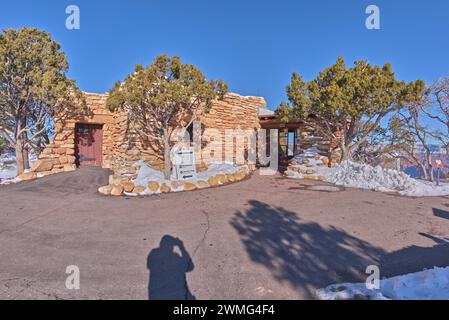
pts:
[264, 238]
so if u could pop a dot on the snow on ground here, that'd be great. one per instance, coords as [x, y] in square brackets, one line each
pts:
[145, 174]
[8, 169]
[310, 159]
[355, 175]
[432, 284]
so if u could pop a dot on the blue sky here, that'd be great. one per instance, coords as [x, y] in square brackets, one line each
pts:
[253, 45]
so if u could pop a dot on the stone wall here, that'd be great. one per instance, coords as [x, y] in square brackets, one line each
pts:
[307, 136]
[233, 112]
[122, 146]
[59, 155]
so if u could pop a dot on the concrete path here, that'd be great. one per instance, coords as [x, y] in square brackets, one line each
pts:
[264, 238]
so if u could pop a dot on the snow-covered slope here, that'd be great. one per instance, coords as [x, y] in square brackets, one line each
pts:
[430, 284]
[8, 169]
[355, 175]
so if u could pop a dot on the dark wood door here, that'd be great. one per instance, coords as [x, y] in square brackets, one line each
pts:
[89, 144]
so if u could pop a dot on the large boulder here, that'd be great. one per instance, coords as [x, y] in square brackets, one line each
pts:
[106, 190]
[202, 184]
[230, 177]
[138, 189]
[128, 186]
[165, 188]
[25, 176]
[213, 181]
[42, 165]
[153, 186]
[189, 186]
[240, 175]
[116, 191]
[69, 167]
[222, 178]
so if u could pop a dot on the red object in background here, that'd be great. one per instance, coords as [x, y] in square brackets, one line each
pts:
[88, 144]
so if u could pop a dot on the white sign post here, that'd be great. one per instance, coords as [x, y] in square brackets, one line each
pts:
[184, 164]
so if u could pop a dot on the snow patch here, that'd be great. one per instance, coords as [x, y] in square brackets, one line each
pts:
[8, 169]
[432, 284]
[355, 175]
[145, 174]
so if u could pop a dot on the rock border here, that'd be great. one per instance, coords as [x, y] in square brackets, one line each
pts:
[122, 185]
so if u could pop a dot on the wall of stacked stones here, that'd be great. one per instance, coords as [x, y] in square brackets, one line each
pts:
[59, 155]
[239, 115]
[309, 136]
[233, 112]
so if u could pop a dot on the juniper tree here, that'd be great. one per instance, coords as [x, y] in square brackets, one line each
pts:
[350, 100]
[159, 97]
[33, 87]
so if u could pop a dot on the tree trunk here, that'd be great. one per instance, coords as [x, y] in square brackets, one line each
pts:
[20, 157]
[345, 154]
[26, 157]
[430, 167]
[423, 170]
[167, 162]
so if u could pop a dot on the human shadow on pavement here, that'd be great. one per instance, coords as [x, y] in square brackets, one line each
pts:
[308, 256]
[168, 265]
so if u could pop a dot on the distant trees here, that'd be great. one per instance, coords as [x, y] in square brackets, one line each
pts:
[352, 101]
[3, 145]
[33, 87]
[159, 96]
[437, 109]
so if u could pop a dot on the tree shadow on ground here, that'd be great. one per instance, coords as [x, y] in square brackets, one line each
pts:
[304, 255]
[441, 213]
[414, 258]
[168, 265]
[307, 256]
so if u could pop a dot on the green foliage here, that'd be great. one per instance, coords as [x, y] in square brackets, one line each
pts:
[33, 69]
[167, 86]
[2, 144]
[353, 100]
[33, 85]
[160, 97]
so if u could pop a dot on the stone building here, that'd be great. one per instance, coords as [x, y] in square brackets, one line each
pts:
[296, 137]
[94, 136]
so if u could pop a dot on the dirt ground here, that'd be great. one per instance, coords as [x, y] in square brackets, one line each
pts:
[267, 237]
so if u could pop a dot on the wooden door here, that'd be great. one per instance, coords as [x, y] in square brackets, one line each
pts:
[89, 144]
